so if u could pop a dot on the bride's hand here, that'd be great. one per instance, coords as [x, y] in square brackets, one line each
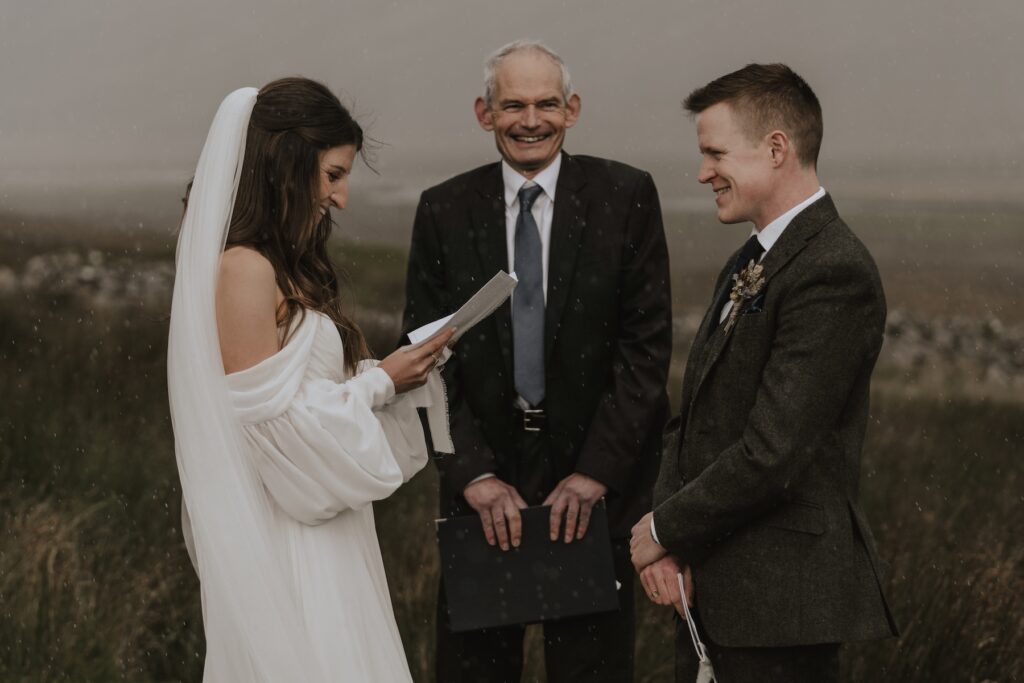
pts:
[409, 368]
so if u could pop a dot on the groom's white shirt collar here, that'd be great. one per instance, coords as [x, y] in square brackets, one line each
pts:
[771, 233]
[514, 180]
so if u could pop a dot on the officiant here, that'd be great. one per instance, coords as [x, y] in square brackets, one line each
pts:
[559, 397]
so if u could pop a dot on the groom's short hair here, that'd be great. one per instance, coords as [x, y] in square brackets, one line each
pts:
[767, 97]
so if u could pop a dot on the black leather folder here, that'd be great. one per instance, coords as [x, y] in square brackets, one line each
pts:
[538, 581]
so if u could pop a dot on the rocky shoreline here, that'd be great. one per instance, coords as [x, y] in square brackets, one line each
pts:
[979, 349]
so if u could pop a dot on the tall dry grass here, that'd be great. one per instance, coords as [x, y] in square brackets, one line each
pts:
[943, 480]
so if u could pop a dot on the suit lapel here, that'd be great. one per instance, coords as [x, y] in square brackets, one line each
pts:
[707, 325]
[700, 340]
[487, 216]
[566, 236]
[792, 241]
[794, 238]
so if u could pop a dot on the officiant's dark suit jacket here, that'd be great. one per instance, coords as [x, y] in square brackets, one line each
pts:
[608, 331]
[758, 488]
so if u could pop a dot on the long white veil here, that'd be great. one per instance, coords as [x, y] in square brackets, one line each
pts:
[254, 629]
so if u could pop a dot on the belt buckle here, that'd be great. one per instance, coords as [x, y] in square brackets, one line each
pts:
[533, 416]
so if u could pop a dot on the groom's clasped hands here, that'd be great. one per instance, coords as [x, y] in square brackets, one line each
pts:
[658, 569]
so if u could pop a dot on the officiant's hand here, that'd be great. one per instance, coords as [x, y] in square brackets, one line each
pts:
[574, 497]
[409, 368]
[661, 585]
[643, 549]
[498, 505]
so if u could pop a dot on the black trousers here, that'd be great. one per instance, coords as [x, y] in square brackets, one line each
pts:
[801, 664]
[596, 648]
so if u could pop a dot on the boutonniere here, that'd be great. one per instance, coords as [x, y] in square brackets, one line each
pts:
[746, 285]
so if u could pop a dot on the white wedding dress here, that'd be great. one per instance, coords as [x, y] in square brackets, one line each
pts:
[325, 446]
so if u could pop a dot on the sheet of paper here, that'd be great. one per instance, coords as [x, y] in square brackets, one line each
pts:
[479, 306]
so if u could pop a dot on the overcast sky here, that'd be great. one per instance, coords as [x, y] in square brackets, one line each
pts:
[926, 95]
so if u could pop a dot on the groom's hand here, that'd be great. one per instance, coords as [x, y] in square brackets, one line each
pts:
[661, 584]
[574, 497]
[643, 549]
[498, 505]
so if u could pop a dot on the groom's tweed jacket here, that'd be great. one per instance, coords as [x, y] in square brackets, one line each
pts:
[758, 488]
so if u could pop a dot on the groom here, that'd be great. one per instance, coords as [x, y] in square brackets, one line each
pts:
[758, 490]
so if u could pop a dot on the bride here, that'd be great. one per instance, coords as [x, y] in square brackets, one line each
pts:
[285, 429]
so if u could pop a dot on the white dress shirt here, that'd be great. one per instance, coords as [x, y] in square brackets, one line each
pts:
[767, 237]
[543, 211]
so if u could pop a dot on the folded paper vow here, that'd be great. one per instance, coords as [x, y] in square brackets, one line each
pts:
[479, 306]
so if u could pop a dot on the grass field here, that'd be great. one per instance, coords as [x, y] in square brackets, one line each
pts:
[95, 584]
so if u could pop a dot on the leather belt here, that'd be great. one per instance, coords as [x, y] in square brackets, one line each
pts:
[533, 419]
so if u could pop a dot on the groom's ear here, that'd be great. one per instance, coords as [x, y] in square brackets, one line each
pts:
[779, 147]
[484, 116]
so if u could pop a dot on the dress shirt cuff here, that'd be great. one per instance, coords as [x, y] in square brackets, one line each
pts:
[654, 534]
[485, 475]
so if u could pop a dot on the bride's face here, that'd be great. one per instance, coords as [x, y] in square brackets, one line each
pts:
[335, 166]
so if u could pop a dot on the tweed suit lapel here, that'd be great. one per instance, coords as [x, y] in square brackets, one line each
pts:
[794, 238]
[487, 219]
[566, 237]
[696, 354]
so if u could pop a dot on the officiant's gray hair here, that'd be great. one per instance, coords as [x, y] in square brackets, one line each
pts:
[499, 55]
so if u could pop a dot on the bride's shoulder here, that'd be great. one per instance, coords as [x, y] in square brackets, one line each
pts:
[246, 275]
[246, 262]
[246, 267]
[246, 309]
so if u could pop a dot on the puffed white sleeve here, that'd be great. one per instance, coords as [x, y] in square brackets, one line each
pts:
[322, 446]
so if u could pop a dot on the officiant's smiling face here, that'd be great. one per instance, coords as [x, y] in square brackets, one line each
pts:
[335, 167]
[528, 112]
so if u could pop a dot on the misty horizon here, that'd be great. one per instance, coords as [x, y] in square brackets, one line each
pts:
[921, 100]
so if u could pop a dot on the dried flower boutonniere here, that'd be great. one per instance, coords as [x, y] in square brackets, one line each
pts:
[746, 285]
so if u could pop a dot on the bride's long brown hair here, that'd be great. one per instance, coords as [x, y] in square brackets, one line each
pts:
[277, 209]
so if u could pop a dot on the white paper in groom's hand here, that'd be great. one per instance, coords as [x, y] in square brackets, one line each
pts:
[479, 306]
